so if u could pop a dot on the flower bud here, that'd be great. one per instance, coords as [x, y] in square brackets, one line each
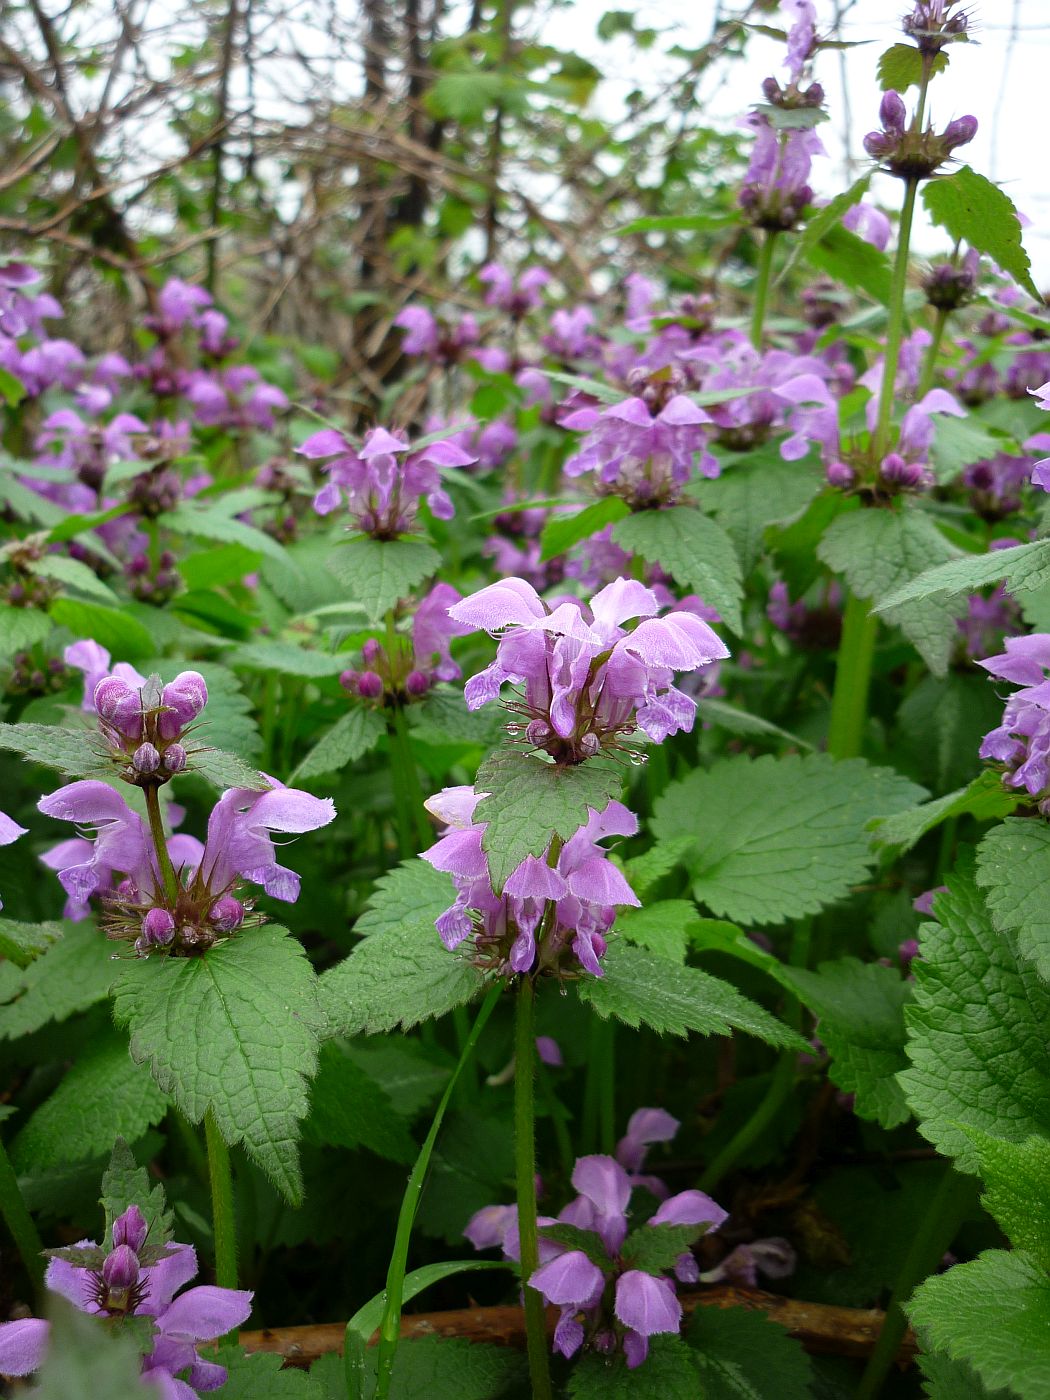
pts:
[371, 652]
[417, 683]
[174, 758]
[369, 685]
[121, 1269]
[183, 699]
[145, 759]
[892, 112]
[590, 744]
[348, 680]
[226, 914]
[959, 132]
[120, 706]
[131, 1228]
[840, 475]
[537, 731]
[158, 928]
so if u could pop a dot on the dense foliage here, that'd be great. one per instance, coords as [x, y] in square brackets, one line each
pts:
[576, 833]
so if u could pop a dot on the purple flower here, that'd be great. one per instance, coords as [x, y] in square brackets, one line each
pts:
[586, 679]
[644, 1127]
[1021, 744]
[549, 1051]
[382, 491]
[516, 299]
[644, 448]
[134, 1279]
[179, 304]
[773, 1257]
[801, 37]
[776, 189]
[443, 344]
[571, 335]
[582, 884]
[869, 223]
[9, 831]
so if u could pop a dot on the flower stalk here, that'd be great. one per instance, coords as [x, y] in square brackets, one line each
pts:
[525, 1177]
[223, 1211]
[762, 286]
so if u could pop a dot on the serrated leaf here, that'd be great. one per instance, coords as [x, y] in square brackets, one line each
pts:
[21, 943]
[73, 974]
[778, 838]
[410, 1073]
[1017, 1190]
[234, 1031]
[379, 573]
[661, 927]
[581, 1241]
[693, 549]
[105, 1095]
[120, 633]
[945, 1379]
[984, 799]
[73, 752]
[527, 799]
[1024, 568]
[74, 574]
[352, 735]
[753, 493]
[1013, 869]
[561, 531]
[876, 551]
[640, 988]
[225, 770]
[259, 1376]
[443, 718]
[655, 1248]
[742, 722]
[977, 212]
[902, 66]
[976, 1031]
[204, 523]
[852, 261]
[85, 1360]
[411, 890]
[287, 659]
[21, 628]
[349, 1109]
[994, 1314]
[671, 1371]
[124, 1184]
[215, 568]
[959, 442]
[744, 1355]
[448, 1369]
[860, 1007]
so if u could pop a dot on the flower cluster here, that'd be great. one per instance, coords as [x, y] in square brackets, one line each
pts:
[908, 152]
[515, 297]
[588, 681]
[615, 1287]
[384, 479]
[1022, 742]
[406, 669]
[136, 1278]
[554, 912]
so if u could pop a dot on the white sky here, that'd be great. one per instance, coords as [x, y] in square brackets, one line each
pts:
[1000, 78]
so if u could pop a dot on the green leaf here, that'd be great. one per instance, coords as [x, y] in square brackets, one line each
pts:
[860, 1007]
[443, 718]
[1017, 1191]
[976, 1032]
[655, 1248]
[204, 522]
[21, 628]
[352, 735]
[640, 988]
[400, 973]
[945, 1379]
[85, 1360]
[693, 549]
[259, 1377]
[379, 573]
[1024, 568]
[234, 1031]
[901, 67]
[561, 532]
[1013, 868]
[662, 927]
[822, 221]
[441, 1368]
[671, 1372]
[75, 575]
[753, 493]
[994, 1314]
[778, 838]
[742, 722]
[124, 1184]
[877, 551]
[851, 260]
[586, 1242]
[12, 390]
[368, 1317]
[411, 1074]
[287, 659]
[744, 1355]
[349, 1109]
[959, 442]
[74, 973]
[527, 799]
[985, 799]
[73, 752]
[975, 211]
[120, 633]
[21, 943]
[215, 568]
[105, 1095]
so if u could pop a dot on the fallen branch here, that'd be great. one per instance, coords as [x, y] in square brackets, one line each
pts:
[821, 1328]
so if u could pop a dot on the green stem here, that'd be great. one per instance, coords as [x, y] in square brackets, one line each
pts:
[413, 792]
[525, 1173]
[895, 322]
[762, 283]
[20, 1223]
[849, 700]
[929, 368]
[223, 1216]
[780, 1086]
[954, 1198]
[160, 844]
[390, 1327]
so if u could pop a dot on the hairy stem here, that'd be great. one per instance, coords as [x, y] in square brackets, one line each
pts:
[525, 1173]
[929, 367]
[762, 284]
[160, 843]
[895, 322]
[849, 700]
[19, 1222]
[223, 1215]
[390, 1327]
[954, 1198]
